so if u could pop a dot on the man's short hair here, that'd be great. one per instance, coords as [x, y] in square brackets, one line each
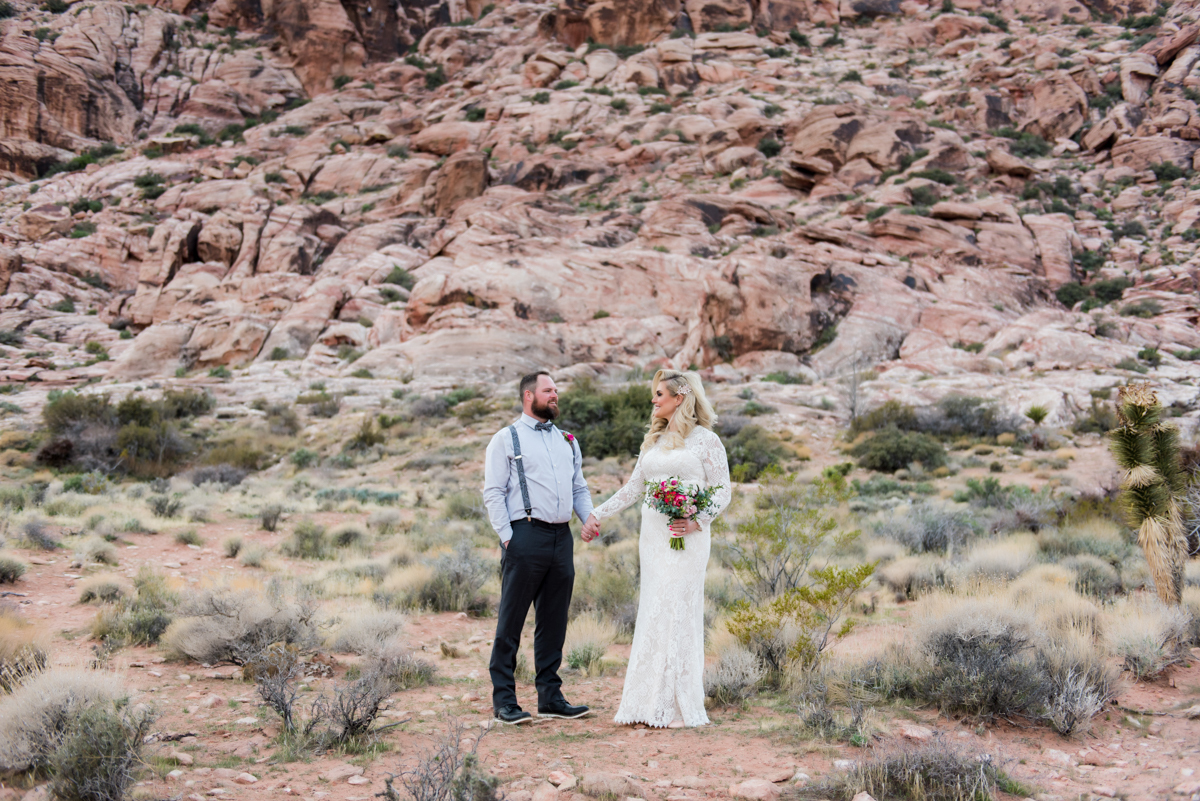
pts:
[529, 383]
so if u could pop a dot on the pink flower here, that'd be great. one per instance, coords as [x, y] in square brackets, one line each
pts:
[568, 437]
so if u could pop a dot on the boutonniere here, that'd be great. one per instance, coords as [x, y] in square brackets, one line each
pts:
[569, 437]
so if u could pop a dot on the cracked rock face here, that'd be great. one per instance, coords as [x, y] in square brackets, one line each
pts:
[977, 199]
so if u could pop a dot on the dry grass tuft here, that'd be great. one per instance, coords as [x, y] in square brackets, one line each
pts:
[1148, 635]
[95, 550]
[22, 651]
[1005, 559]
[11, 568]
[734, 677]
[366, 630]
[588, 638]
[104, 588]
[34, 717]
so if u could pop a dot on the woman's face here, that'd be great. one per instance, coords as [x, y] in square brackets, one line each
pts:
[664, 402]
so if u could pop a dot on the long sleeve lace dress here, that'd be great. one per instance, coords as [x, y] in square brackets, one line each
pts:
[664, 682]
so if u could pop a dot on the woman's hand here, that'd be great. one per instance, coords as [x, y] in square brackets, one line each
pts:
[684, 527]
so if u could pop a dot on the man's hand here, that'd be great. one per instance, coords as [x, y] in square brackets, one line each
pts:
[504, 544]
[591, 529]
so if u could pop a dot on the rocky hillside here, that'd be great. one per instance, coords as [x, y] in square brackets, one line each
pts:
[890, 199]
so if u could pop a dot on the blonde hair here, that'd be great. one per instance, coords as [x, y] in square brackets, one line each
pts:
[694, 411]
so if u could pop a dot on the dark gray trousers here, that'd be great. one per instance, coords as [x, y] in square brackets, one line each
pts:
[537, 567]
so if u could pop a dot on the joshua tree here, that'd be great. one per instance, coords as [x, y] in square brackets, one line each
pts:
[1147, 450]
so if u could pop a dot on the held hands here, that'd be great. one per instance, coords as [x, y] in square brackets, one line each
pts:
[591, 529]
[679, 527]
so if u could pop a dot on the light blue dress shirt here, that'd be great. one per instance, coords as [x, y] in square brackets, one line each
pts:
[553, 474]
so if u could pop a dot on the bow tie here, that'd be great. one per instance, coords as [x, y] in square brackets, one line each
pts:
[543, 426]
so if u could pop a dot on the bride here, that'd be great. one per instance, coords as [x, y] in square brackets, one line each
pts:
[664, 683]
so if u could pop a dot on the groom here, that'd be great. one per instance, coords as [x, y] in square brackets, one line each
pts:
[533, 478]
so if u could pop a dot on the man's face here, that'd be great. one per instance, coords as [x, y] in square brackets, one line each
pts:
[545, 399]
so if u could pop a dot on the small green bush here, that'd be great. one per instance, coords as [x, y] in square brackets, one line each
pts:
[891, 449]
[11, 569]
[99, 758]
[308, 541]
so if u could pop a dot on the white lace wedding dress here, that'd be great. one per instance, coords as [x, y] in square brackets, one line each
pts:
[664, 682]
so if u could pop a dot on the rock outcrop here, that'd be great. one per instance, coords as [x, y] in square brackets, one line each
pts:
[600, 183]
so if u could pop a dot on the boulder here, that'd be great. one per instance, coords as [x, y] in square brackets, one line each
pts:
[601, 784]
[44, 221]
[755, 790]
[600, 63]
[1057, 243]
[1138, 72]
[1138, 153]
[1005, 163]
[629, 22]
[714, 15]
[1059, 108]
[10, 264]
[444, 138]
[737, 157]
[462, 177]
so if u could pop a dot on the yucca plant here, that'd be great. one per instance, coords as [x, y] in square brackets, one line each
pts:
[1147, 451]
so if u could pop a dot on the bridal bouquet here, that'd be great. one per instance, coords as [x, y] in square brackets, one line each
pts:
[679, 501]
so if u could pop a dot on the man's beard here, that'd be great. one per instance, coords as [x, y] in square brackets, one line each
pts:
[546, 412]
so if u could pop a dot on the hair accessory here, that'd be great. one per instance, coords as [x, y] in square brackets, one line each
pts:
[686, 389]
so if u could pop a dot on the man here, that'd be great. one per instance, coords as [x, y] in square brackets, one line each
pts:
[533, 478]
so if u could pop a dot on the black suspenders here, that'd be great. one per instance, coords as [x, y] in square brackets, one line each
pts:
[521, 472]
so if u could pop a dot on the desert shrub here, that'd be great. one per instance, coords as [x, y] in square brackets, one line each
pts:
[751, 450]
[308, 541]
[11, 568]
[136, 436]
[385, 522]
[226, 475]
[1147, 635]
[355, 706]
[929, 528]
[164, 506]
[232, 546]
[981, 660]
[140, 618]
[100, 755]
[253, 556]
[466, 505]
[37, 714]
[1093, 575]
[405, 670]
[891, 449]
[188, 536]
[935, 771]
[225, 624]
[268, 516]
[1082, 683]
[734, 677]
[95, 550]
[282, 419]
[966, 415]
[104, 588]
[588, 638]
[913, 576]
[610, 587]
[1191, 601]
[1092, 536]
[369, 632]
[35, 534]
[891, 413]
[22, 653]
[445, 772]
[456, 582]
[348, 535]
[366, 437]
[1001, 560]
[12, 498]
[606, 423]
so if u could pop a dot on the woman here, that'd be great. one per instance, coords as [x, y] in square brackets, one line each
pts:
[664, 684]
